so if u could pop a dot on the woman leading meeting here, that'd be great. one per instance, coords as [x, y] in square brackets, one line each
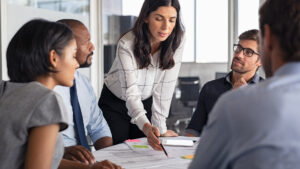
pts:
[138, 89]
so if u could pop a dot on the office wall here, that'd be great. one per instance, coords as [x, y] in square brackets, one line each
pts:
[206, 71]
[110, 9]
[0, 41]
[16, 16]
[262, 1]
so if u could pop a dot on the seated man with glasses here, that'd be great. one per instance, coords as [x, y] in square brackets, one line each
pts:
[245, 64]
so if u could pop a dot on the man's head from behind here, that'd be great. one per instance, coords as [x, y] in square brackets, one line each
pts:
[246, 58]
[279, 23]
[85, 47]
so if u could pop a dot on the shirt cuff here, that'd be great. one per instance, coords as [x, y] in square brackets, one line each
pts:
[68, 141]
[141, 121]
[100, 134]
[162, 128]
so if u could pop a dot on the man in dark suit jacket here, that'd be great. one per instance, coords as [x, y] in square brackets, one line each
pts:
[245, 64]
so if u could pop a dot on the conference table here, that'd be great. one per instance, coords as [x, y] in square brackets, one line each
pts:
[137, 154]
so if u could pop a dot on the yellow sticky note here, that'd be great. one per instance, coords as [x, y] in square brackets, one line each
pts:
[188, 156]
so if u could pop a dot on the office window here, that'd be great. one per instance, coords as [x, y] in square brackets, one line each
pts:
[205, 28]
[120, 15]
[211, 31]
[247, 15]
[81, 7]
[133, 7]
[19, 12]
[188, 19]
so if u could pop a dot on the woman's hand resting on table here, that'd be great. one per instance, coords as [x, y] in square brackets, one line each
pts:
[169, 133]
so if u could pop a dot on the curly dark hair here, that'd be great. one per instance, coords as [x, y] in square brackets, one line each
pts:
[283, 17]
[142, 47]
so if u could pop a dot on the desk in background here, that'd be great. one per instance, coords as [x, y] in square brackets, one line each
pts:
[129, 158]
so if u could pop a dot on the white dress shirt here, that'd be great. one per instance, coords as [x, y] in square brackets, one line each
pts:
[133, 85]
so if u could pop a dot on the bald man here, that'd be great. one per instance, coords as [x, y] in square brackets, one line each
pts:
[94, 124]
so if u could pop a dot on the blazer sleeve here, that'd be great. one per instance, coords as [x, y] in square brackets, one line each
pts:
[128, 79]
[163, 93]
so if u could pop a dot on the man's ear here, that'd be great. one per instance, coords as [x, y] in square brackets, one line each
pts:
[268, 38]
[53, 58]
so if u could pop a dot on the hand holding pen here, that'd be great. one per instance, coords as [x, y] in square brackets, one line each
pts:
[152, 132]
[164, 149]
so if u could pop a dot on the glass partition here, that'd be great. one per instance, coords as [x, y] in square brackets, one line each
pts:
[69, 6]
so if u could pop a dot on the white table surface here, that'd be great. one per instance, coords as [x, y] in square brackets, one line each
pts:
[146, 158]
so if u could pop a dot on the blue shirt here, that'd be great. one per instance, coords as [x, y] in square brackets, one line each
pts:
[255, 126]
[95, 124]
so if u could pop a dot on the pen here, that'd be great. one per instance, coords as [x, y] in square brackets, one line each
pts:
[164, 149]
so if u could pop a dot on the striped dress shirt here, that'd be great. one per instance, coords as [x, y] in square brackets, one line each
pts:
[131, 84]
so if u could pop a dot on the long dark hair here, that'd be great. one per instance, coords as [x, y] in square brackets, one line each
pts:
[142, 47]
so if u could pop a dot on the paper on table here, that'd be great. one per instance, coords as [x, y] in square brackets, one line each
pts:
[138, 145]
[150, 159]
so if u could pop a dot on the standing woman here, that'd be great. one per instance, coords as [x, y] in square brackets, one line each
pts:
[139, 86]
[39, 56]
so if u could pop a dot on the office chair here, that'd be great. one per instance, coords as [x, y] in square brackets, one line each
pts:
[184, 102]
[189, 87]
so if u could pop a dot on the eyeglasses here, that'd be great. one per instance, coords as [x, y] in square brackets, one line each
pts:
[237, 48]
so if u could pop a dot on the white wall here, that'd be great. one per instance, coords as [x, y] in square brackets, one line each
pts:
[2, 26]
[206, 71]
[247, 20]
[15, 16]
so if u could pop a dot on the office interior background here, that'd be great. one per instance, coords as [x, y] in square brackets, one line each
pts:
[212, 27]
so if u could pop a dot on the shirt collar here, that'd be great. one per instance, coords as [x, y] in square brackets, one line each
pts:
[227, 78]
[288, 68]
[76, 75]
[254, 79]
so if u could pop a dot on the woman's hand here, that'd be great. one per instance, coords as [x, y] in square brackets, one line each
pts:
[169, 133]
[152, 134]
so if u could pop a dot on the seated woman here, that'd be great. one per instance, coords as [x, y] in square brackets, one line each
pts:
[40, 56]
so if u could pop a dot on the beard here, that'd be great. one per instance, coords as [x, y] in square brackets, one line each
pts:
[86, 63]
[237, 69]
